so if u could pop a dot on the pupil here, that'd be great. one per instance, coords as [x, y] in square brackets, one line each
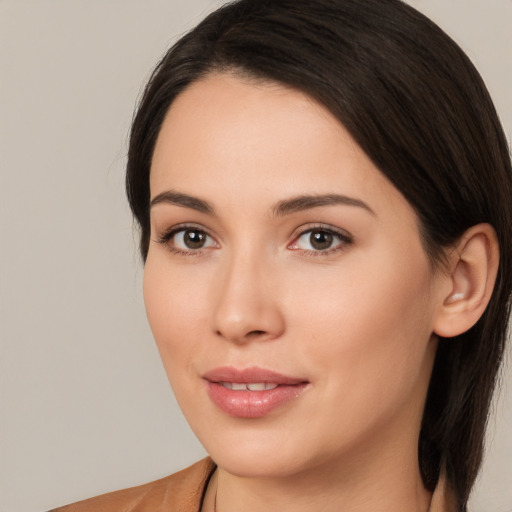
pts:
[194, 239]
[321, 240]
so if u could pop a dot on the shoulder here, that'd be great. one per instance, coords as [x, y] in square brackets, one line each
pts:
[180, 492]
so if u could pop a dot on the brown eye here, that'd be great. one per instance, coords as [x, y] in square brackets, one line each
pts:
[320, 239]
[187, 240]
[194, 239]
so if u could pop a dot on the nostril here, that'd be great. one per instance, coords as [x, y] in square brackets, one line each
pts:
[248, 335]
[255, 333]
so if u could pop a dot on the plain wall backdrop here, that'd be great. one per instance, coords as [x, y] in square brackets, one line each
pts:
[84, 402]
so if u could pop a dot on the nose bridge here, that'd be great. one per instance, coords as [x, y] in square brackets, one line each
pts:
[246, 304]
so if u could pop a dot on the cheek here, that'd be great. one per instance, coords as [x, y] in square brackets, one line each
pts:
[176, 311]
[367, 329]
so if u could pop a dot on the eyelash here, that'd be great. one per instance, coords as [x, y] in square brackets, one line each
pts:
[344, 239]
[168, 235]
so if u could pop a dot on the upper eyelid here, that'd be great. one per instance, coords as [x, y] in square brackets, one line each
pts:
[345, 239]
[183, 226]
[167, 234]
[323, 227]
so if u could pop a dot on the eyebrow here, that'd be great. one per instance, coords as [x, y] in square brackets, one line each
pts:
[179, 199]
[282, 208]
[306, 202]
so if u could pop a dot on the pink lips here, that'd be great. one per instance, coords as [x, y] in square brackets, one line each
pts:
[246, 403]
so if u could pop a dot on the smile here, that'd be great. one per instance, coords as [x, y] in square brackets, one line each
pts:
[252, 392]
[249, 386]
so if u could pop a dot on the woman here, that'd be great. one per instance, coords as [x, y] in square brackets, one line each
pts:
[323, 190]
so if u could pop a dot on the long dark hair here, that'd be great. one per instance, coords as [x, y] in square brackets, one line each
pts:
[416, 105]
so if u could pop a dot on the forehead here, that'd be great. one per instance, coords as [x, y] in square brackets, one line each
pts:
[234, 138]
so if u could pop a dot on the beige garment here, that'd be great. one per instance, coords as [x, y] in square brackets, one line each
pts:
[184, 492]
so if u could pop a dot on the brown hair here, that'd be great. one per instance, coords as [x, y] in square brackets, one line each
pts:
[416, 105]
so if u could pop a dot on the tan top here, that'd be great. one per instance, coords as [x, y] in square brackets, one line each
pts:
[179, 492]
[184, 492]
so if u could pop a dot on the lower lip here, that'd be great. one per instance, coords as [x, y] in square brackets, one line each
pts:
[252, 404]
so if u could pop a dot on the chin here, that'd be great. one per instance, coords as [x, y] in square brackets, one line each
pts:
[257, 452]
[250, 464]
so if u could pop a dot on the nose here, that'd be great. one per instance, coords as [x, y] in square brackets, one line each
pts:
[246, 306]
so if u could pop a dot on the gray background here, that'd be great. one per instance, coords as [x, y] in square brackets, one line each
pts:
[85, 405]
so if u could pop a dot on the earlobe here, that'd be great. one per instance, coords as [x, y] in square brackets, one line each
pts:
[472, 273]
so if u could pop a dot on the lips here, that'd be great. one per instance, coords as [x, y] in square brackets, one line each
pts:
[251, 392]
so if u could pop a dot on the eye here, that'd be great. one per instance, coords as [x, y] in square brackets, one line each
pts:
[187, 239]
[191, 239]
[320, 240]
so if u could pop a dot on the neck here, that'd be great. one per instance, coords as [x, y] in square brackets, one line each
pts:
[392, 484]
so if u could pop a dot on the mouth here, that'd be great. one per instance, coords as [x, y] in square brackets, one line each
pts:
[249, 386]
[251, 392]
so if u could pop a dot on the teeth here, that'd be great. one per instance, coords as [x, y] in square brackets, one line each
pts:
[252, 386]
[260, 386]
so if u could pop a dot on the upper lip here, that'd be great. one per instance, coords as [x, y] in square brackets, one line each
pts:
[250, 375]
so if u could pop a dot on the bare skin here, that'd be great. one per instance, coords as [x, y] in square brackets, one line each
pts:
[248, 267]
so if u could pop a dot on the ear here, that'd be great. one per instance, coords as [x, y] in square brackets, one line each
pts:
[473, 266]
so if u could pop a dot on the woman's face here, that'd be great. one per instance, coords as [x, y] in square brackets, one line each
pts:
[286, 284]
